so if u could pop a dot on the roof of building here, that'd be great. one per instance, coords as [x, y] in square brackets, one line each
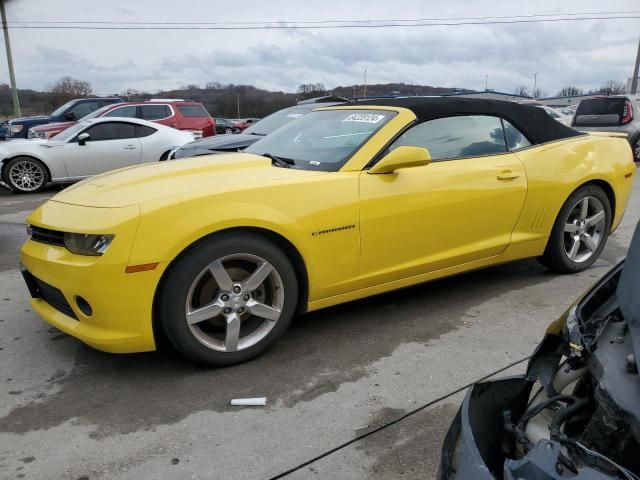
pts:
[533, 121]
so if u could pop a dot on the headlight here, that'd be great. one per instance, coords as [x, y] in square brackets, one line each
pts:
[84, 244]
[16, 128]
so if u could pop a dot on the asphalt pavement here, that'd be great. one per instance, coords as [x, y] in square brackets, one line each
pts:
[70, 412]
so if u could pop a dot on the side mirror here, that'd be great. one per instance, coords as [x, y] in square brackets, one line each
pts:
[401, 157]
[70, 116]
[83, 137]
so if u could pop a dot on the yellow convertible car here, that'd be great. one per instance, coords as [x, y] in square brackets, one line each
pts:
[218, 253]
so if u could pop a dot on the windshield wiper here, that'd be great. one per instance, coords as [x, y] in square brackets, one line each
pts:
[280, 161]
[256, 133]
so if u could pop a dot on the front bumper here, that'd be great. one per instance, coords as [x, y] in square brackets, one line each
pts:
[121, 304]
[472, 449]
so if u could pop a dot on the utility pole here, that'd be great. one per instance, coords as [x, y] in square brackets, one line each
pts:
[365, 83]
[634, 79]
[535, 84]
[486, 82]
[238, 105]
[12, 77]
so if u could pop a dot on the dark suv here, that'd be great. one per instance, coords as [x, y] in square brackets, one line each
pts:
[70, 111]
[611, 114]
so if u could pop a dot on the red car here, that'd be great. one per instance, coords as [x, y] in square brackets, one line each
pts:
[245, 122]
[180, 114]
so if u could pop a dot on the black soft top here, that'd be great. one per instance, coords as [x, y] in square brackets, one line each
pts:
[533, 121]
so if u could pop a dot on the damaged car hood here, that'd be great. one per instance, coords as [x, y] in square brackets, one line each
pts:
[628, 295]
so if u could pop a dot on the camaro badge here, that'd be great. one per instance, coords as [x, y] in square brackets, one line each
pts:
[332, 230]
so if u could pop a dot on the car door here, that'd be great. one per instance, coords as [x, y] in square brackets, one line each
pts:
[110, 145]
[460, 208]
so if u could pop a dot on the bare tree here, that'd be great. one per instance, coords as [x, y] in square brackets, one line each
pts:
[613, 87]
[310, 90]
[570, 91]
[539, 93]
[522, 91]
[67, 88]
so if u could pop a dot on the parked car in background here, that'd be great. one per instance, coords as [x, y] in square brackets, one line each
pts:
[245, 123]
[576, 412]
[71, 111]
[179, 114]
[224, 126]
[87, 148]
[611, 114]
[256, 132]
[4, 126]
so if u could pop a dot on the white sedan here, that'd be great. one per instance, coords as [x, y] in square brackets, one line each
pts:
[87, 148]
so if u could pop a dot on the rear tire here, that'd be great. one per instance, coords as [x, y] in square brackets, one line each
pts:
[228, 299]
[580, 231]
[636, 150]
[25, 175]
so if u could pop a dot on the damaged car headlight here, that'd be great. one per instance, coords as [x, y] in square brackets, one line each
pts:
[87, 244]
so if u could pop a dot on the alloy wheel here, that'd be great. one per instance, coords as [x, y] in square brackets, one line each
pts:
[228, 131]
[26, 175]
[584, 229]
[234, 302]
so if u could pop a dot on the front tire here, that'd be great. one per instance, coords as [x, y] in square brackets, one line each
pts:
[228, 131]
[580, 231]
[228, 299]
[25, 175]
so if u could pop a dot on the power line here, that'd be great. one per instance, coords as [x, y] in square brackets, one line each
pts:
[314, 27]
[393, 422]
[312, 22]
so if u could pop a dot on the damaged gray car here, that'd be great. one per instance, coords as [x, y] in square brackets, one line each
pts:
[575, 414]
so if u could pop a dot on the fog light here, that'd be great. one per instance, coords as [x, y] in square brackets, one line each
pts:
[84, 306]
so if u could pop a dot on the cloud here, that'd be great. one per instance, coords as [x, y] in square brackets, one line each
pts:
[579, 53]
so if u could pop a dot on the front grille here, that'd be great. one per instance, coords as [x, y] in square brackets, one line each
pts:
[44, 235]
[48, 293]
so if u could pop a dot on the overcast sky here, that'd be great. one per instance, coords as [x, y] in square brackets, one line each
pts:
[565, 53]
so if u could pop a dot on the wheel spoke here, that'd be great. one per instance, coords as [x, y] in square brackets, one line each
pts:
[584, 208]
[221, 276]
[204, 313]
[595, 219]
[589, 242]
[233, 333]
[575, 246]
[256, 278]
[571, 228]
[263, 311]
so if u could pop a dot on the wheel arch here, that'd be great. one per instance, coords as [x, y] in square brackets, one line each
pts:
[279, 240]
[608, 190]
[5, 161]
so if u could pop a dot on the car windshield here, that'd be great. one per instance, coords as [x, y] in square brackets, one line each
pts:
[322, 140]
[72, 131]
[60, 110]
[276, 120]
[97, 113]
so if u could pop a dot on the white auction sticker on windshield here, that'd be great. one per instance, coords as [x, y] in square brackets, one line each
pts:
[364, 118]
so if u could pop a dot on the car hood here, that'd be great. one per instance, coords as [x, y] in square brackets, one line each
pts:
[53, 126]
[216, 143]
[190, 177]
[626, 293]
[37, 118]
[23, 145]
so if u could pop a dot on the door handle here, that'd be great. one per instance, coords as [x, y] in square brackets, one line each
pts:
[508, 175]
[130, 147]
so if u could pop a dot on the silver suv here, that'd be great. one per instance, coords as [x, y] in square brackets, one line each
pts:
[611, 114]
